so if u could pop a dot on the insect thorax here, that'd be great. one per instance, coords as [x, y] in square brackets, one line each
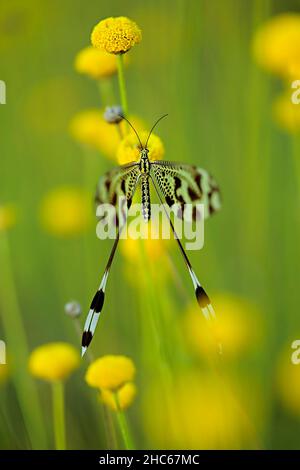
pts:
[144, 162]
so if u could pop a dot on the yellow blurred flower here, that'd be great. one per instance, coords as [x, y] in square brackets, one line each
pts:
[200, 412]
[152, 248]
[66, 211]
[110, 372]
[128, 150]
[150, 251]
[286, 114]
[95, 63]
[288, 381]
[131, 249]
[116, 35]
[89, 128]
[276, 45]
[7, 217]
[54, 361]
[125, 396]
[238, 327]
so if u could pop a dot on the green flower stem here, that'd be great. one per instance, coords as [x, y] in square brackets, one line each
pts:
[59, 415]
[17, 347]
[110, 429]
[123, 425]
[122, 86]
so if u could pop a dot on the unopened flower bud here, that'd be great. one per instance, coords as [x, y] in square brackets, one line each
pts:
[113, 114]
[73, 309]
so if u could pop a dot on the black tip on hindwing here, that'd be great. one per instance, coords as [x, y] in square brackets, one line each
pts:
[98, 301]
[86, 339]
[202, 297]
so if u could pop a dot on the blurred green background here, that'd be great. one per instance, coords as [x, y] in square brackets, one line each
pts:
[195, 63]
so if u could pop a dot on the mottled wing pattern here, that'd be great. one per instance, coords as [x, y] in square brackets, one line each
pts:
[116, 183]
[187, 184]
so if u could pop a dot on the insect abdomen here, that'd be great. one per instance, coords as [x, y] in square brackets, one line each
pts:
[146, 206]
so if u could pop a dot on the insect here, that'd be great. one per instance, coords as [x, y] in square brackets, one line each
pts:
[175, 182]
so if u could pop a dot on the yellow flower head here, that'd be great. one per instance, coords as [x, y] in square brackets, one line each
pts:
[129, 149]
[236, 327]
[116, 35]
[276, 45]
[199, 413]
[7, 217]
[125, 396]
[153, 250]
[110, 372]
[287, 114]
[147, 247]
[66, 211]
[89, 128]
[54, 361]
[95, 63]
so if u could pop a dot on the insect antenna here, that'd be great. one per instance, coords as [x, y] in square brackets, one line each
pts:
[133, 129]
[202, 297]
[154, 125]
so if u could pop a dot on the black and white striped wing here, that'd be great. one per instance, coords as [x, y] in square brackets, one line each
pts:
[120, 181]
[187, 184]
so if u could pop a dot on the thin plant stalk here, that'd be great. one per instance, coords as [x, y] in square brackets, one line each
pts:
[59, 415]
[123, 425]
[122, 85]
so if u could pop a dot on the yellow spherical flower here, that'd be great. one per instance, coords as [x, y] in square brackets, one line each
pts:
[286, 114]
[288, 381]
[148, 244]
[95, 63]
[237, 327]
[200, 412]
[89, 128]
[116, 35]
[276, 45]
[7, 217]
[131, 249]
[54, 361]
[66, 211]
[125, 396]
[129, 150]
[110, 372]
